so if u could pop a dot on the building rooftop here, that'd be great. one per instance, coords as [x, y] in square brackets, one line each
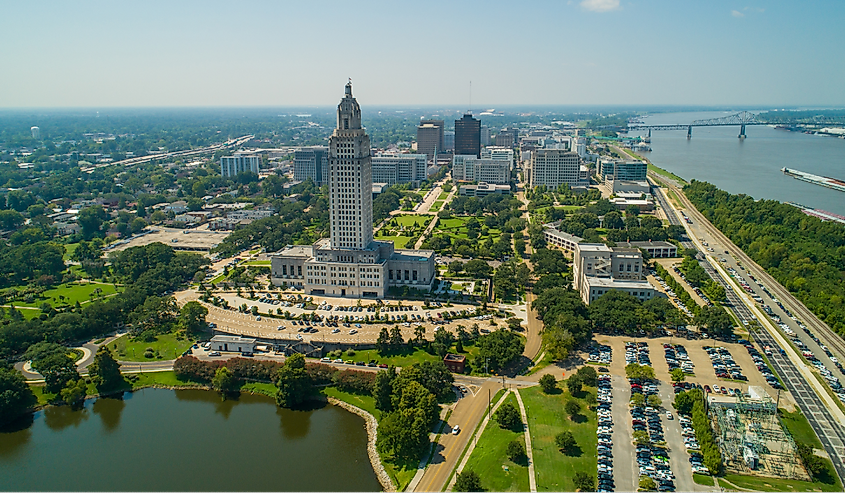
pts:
[454, 357]
[611, 283]
[234, 339]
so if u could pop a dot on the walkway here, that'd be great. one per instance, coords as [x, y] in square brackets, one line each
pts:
[532, 480]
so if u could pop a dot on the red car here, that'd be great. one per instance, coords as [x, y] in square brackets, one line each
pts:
[707, 389]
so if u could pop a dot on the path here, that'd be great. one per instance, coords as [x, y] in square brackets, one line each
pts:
[532, 480]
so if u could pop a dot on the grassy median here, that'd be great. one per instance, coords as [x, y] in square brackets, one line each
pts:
[546, 418]
[490, 459]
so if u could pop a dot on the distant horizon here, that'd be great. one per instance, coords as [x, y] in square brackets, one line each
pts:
[264, 53]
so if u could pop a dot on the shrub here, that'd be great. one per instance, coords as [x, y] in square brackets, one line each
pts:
[548, 383]
[507, 416]
[516, 450]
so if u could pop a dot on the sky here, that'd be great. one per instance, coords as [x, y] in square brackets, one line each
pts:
[151, 53]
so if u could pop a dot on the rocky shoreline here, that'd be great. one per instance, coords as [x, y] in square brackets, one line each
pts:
[372, 433]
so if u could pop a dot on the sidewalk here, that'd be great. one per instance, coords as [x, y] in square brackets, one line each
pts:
[532, 480]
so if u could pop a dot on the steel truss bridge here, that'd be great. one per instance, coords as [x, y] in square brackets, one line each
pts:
[741, 119]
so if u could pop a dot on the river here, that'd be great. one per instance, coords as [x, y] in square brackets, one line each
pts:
[187, 440]
[752, 165]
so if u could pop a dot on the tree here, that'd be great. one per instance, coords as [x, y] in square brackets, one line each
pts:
[684, 402]
[715, 319]
[584, 481]
[588, 376]
[224, 381]
[478, 269]
[74, 391]
[516, 450]
[58, 370]
[499, 348]
[572, 407]
[573, 384]
[383, 341]
[677, 375]
[192, 317]
[16, 398]
[382, 389]
[654, 401]
[548, 383]
[507, 416]
[396, 341]
[565, 441]
[91, 220]
[468, 480]
[105, 370]
[638, 400]
[403, 434]
[641, 437]
[647, 484]
[634, 370]
[293, 382]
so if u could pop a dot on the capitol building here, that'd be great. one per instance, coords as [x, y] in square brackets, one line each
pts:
[350, 262]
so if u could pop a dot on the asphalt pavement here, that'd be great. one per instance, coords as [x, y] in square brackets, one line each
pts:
[625, 471]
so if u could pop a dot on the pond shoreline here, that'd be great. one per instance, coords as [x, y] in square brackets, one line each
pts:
[370, 422]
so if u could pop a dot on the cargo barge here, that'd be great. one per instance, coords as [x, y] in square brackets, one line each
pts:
[823, 215]
[824, 181]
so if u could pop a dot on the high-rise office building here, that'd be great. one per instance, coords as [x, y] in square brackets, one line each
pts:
[485, 135]
[36, 133]
[393, 168]
[487, 170]
[350, 263]
[311, 162]
[507, 137]
[552, 168]
[230, 166]
[430, 137]
[468, 136]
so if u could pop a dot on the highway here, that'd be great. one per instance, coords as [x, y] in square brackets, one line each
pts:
[190, 152]
[822, 412]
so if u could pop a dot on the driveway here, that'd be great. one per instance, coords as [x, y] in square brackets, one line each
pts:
[625, 473]
[678, 457]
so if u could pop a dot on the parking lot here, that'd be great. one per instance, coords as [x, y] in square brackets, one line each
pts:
[705, 372]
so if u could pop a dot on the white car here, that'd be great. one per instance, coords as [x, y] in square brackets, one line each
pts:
[353, 331]
[456, 429]
[669, 415]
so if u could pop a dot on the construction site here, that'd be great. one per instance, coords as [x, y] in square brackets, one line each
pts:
[752, 439]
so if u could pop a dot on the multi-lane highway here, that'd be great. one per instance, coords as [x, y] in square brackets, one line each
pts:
[820, 410]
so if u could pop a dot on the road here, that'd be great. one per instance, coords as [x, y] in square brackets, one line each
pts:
[468, 412]
[807, 396]
[191, 152]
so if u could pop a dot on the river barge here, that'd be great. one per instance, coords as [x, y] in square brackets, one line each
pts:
[823, 215]
[824, 181]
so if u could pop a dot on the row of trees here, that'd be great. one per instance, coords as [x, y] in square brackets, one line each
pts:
[692, 402]
[806, 255]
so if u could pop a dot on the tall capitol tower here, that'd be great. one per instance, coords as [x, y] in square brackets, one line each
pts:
[350, 178]
[350, 263]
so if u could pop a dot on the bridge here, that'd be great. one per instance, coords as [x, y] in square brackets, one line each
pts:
[741, 119]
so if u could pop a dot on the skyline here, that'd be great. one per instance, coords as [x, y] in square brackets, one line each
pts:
[578, 53]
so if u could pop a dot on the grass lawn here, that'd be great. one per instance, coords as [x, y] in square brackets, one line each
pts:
[757, 483]
[398, 241]
[72, 292]
[258, 263]
[263, 388]
[702, 479]
[169, 346]
[489, 458]
[443, 196]
[663, 172]
[798, 426]
[436, 205]
[420, 220]
[452, 223]
[406, 357]
[365, 402]
[546, 419]
[69, 249]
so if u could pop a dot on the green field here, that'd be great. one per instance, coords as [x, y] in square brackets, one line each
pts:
[489, 458]
[663, 172]
[408, 220]
[436, 205]
[443, 196]
[365, 402]
[257, 263]
[798, 426]
[546, 419]
[69, 249]
[398, 241]
[169, 346]
[71, 293]
[456, 228]
[406, 357]
[757, 483]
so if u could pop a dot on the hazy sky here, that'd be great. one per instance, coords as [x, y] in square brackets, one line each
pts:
[276, 53]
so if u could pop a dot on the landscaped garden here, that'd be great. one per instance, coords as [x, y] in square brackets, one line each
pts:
[165, 346]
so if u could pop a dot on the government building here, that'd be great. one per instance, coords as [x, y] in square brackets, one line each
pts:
[350, 263]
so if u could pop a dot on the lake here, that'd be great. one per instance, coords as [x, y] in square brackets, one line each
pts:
[187, 440]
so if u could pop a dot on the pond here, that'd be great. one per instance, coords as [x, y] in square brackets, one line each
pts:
[187, 440]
